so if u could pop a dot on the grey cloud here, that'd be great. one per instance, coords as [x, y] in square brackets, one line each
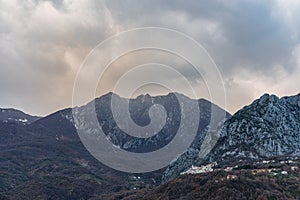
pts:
[44, 42]
[256, 36]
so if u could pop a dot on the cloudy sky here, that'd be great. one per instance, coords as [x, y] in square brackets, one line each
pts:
[255, 44]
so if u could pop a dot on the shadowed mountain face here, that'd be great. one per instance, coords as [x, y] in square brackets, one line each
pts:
[46, 159]
[139, 113]
[268, 127]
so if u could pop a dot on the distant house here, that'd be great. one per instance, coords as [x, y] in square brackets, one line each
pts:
[231, 177]
[284, 172]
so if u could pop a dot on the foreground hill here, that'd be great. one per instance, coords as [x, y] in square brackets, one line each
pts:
[274, 179]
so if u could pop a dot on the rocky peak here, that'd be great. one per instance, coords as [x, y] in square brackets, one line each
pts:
[270, 126]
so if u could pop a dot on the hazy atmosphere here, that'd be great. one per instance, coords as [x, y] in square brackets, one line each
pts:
[255, 44]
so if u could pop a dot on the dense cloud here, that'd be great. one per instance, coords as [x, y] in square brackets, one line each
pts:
[256, 44]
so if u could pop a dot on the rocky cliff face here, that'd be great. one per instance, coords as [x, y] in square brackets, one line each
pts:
[270, 126]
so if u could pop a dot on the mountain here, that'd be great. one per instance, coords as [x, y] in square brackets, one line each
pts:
[10, 115]
[268, 127]
[45, 159]
[278, 178]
